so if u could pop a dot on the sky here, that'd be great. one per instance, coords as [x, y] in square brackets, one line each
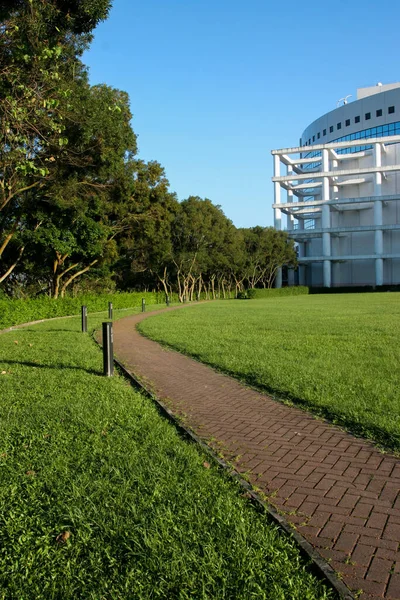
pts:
[215, 85]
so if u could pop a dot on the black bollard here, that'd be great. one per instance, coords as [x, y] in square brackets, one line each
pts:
[143, 305]
[110, 310]
[108, 350]
[84, 319]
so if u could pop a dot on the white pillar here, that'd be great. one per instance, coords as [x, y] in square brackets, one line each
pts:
[302, 268]
[378, 217]
[290, 224]
[326, 220]
[277, 211]
[277, 190]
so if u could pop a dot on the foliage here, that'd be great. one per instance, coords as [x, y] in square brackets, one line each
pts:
[266, 251]
[337, 355]
[298, 290]
[14, 312]
[64, 145]
[101, 498]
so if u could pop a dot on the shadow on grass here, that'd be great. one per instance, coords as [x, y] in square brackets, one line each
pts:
[53, 366]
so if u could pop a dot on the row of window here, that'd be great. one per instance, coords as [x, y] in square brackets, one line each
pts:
[373, 132]
[379, 113]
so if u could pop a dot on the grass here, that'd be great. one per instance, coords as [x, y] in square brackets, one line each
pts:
[337, 355]
[101, 499]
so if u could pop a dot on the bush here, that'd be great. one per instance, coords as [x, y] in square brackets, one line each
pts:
[299, 290]
[241, 296]
[15, 312]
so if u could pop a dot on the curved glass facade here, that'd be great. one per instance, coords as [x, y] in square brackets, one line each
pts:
[373, 132]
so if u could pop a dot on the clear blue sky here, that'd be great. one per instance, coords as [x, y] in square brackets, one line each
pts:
[216, 84]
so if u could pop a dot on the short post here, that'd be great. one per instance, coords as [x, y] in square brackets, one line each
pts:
[110, 310]
[84, 319]
[108, 350]
[143, 305]
[167, 300]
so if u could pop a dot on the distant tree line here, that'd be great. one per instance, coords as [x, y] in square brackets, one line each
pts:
[79, 210]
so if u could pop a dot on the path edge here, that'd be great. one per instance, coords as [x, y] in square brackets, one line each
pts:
[321, 566]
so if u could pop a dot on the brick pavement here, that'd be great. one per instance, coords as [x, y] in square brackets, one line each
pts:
[340, 492]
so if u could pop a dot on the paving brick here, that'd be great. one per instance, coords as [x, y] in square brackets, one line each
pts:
[392, 532]
[379, 570]
[377, 520]
[393, 591]
[362, 510]
[331, 530]
[362, 554]
[349, 500]
[346, 542]
[375, 589]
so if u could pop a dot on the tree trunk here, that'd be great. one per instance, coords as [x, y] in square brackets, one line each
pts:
[75, 275]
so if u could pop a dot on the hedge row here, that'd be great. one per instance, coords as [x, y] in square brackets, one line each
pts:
[14, 312]
[355, 289]
[298, 290]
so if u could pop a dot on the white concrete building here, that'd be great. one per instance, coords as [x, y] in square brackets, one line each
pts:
[338, 193]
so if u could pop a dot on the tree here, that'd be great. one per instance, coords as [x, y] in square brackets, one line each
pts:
[200, 235]
[145, 246]
[267, 250]
[87, 205]
[41, 75]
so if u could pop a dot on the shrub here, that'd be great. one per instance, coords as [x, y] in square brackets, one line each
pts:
[272, 292]
[298, 290]
[15, 312]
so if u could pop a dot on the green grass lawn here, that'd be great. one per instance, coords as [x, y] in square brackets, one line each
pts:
[338, 355]
[101, 499]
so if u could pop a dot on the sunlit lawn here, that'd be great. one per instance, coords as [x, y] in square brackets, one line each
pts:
[339, 355]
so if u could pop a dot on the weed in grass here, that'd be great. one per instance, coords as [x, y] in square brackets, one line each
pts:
[100, 497]
[335, 355]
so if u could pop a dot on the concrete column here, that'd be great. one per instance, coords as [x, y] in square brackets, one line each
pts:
[277, 211]
[277, 190]
[302, 268]
[290, 224]
[326, 221]
[378, 216]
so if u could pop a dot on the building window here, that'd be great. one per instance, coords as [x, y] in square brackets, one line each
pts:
[331, 129]
[379, 112]
[309, 141]
[324, 132]
[318, 135]
[347, 122]
[391, 110]
[339, 126]
[367, 116]
[356, 119]
[313, 138]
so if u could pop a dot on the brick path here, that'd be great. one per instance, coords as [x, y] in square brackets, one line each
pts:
[341, 493]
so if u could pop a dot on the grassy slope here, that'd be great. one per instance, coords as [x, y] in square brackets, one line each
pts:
[87, 455]
[338, 354]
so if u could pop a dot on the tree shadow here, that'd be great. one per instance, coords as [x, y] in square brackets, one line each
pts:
[54, 366]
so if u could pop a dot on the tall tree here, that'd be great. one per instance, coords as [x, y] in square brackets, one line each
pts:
[40, 75]
[267, 250]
